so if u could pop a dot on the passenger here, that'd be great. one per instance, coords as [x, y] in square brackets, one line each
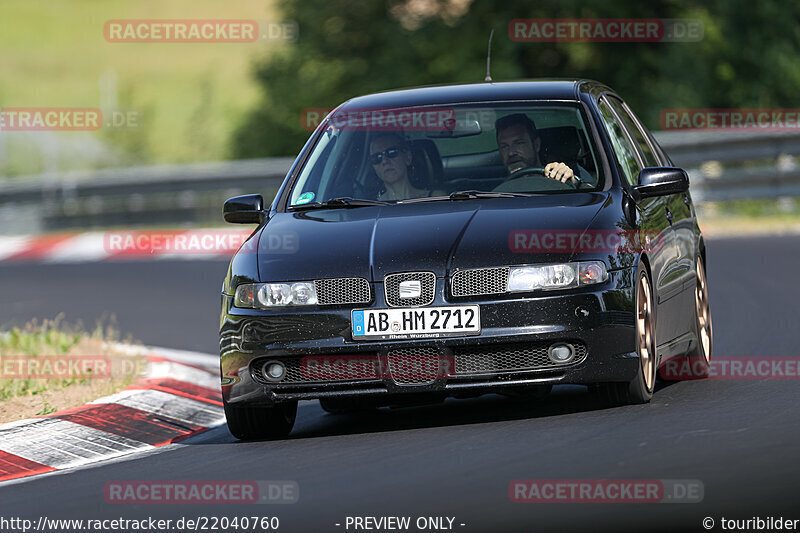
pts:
[390, 156]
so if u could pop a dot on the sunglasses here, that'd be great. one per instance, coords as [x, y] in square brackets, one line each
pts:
[389, 153]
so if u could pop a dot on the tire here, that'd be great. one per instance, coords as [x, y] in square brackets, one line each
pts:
[261, 423]
[700, 356]
[695, 363]
[640, 389]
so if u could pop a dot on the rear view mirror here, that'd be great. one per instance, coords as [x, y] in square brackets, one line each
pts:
[661, 181]
[465, 127]
[247, 209]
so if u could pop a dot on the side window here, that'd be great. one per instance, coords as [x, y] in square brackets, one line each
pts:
[650, 159]
[626, 154]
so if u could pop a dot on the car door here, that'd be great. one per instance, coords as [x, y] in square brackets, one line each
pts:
[685, 225]
[681, 213]
[654, 215]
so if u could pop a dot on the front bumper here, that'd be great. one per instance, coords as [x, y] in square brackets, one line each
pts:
[599, 321]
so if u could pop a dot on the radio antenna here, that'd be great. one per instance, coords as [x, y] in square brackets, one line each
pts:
[489, 59]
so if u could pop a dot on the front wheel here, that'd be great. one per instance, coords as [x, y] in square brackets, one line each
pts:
[251, 423]
[639, 389]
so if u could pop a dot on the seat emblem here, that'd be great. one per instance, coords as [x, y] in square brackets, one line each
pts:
[410, 289]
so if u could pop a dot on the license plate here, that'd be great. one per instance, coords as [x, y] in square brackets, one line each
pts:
[416, 322]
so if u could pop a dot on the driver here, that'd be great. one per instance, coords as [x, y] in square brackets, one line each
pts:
[518, 143]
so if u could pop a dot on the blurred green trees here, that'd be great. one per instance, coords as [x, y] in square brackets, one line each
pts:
[748, 56]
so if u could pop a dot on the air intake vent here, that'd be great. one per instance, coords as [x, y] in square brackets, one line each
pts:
[492, 358]
[480, 281]
[343, 291]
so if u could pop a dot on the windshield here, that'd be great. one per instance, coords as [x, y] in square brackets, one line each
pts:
[411, 154]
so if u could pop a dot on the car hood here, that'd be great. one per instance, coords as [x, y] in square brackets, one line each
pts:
[439, 236]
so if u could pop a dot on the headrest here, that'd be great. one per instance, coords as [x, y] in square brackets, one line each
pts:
[560, 144]
[427, 163]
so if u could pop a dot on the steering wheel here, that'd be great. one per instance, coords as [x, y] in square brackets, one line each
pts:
[525, 171]
[536, 182]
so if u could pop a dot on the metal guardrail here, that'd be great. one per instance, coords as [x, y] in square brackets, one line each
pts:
[736, 165]
[691, 148]
[721, 165]
[150, 179]
[136, 196]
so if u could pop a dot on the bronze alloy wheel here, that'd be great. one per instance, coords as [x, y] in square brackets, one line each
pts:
[645, 338]
[640, 389]
[703, 313]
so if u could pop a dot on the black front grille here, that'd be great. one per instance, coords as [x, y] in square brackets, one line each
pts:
[391, 286]
[416, 366]
[343, 291]
[480, 281]
[321, 368]
[508, 357]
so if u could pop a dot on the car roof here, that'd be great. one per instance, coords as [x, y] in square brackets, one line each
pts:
[551, 89]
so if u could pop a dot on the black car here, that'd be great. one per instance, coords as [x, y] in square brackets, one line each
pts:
[457, 240]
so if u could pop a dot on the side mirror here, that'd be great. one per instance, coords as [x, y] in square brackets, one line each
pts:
[660, 181]
[247, 209]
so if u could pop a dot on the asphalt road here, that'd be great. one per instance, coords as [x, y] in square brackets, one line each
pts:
[739, 438]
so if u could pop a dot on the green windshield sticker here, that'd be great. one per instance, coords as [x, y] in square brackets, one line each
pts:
[304, 198]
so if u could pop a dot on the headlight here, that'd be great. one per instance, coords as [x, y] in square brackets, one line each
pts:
[558, 276]
[265, 295]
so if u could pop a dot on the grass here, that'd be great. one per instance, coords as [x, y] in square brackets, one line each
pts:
[191, 96]
[46, 409]
[750, 217]
[37, 343]
[738, 225]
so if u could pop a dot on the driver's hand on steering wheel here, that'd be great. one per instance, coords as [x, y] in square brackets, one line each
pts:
[560, 172]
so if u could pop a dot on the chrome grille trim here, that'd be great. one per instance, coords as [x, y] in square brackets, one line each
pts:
[343, 291]
[509, 357]
[391, 289]
[480, 281]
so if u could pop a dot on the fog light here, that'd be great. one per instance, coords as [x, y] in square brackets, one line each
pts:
[561, 353]
[273, 370]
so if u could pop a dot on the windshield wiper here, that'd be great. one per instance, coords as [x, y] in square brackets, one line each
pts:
[468, 195]
[336, 203]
